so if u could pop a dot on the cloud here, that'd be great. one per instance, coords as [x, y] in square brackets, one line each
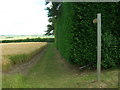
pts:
[23, 17]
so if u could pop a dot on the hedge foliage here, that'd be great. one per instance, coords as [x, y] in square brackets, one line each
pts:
[76, 35]
[30, 40]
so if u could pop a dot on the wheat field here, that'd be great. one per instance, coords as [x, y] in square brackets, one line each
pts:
[20, 48]
[10, 49]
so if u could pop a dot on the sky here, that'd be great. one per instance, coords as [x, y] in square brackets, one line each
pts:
[23, 17]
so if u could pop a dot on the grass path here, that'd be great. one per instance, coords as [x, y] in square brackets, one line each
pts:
[52, 72]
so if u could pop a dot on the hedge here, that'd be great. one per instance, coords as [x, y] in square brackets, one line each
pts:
[76, 35]
[30, 40]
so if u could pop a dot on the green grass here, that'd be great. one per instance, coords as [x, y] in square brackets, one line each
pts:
[52, 72]
[13, 81]
[17, 59]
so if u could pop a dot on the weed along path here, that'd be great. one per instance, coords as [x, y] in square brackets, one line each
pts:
[51, 71]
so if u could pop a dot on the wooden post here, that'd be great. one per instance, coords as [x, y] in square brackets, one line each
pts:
[98, 46]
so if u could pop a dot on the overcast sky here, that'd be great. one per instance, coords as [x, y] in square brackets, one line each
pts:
[21, 17]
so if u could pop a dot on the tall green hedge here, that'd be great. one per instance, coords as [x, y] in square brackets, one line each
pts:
[63, 30]
[29, 40]
[76, 35]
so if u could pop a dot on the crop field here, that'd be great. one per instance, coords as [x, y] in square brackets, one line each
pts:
[15, 53]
